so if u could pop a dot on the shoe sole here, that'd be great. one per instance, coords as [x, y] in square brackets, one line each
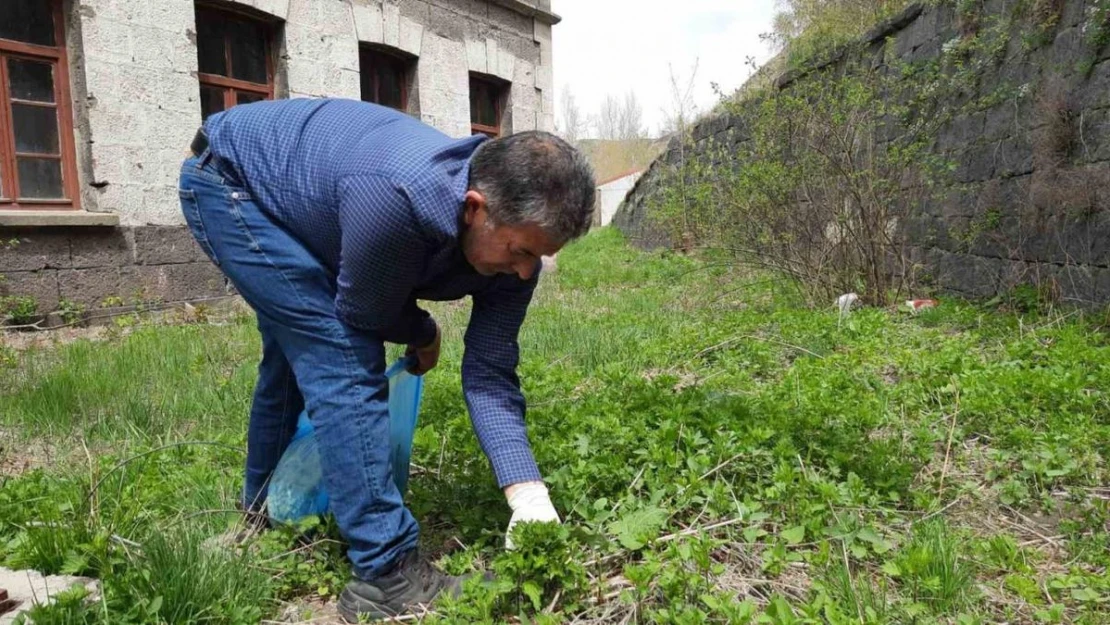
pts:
[352, 608]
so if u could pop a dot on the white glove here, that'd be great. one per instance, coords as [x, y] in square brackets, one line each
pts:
[529, 502]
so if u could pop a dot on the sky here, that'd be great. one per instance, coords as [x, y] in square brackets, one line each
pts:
[611, 46]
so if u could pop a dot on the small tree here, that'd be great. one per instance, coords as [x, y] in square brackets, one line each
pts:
[631, 118]
[620, 119]
[805, 27]
[608, 120]
[676, 121]
[573, 124]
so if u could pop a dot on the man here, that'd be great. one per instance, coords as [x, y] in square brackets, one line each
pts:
[331, 218]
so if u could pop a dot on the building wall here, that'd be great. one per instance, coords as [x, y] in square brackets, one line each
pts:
[611, 194]
[134, 87]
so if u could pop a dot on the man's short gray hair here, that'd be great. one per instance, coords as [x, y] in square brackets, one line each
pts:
[535, 177]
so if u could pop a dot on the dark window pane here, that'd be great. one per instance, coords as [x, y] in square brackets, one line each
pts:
[211, 100]
[248, 50]
[40, 178]
[383, 78]
[35, 128]
[31, 80]
[246, 97]
[487, 110]
[210, 43]
[30, 21]
[483, 103]
[390, 81]
[366, 75]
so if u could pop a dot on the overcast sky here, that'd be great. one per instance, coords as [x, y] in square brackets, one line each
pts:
[611, 46]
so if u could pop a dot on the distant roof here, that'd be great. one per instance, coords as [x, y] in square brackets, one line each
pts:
[620, 175]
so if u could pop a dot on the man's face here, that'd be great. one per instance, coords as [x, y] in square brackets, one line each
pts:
[493, 249]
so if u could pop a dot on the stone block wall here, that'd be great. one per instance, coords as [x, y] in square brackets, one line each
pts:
[133, 75]
[94, 267]
[1029, 199]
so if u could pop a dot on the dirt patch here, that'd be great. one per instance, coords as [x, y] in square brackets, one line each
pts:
[103, 324]
[685, 379]
[743, 576]
[18, 456]
[23, 341]
[314, 611]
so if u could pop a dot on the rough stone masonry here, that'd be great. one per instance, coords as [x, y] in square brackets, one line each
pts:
[1012, 214]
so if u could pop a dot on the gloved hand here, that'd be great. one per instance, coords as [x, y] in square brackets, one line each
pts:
[425, 357]
[529, 501]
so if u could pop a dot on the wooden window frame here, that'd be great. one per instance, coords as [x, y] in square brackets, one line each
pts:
[228, 85]
[9, 175]
[498, 106]
[408, 63]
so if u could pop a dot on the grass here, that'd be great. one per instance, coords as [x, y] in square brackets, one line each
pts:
[719, 454]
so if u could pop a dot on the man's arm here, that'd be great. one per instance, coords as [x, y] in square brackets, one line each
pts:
[490, 380]
[381, 258]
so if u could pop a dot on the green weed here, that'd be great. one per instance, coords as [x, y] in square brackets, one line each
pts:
[932, 569]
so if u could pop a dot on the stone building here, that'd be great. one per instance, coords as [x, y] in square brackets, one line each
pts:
[100, 98]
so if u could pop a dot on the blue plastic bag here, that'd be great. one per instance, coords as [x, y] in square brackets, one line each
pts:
[297, 486]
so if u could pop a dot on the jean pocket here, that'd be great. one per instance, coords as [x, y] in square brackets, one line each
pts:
[191, 209]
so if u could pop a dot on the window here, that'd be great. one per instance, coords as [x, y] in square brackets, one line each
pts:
[487, 101]
[37, 157]
[234, 60]
[385, 77]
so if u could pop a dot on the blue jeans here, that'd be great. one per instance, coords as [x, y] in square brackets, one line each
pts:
[310, 359]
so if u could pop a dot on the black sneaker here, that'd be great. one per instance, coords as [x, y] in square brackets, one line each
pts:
[412, 584]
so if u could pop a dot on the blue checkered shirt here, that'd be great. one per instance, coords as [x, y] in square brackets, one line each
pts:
[378, 196]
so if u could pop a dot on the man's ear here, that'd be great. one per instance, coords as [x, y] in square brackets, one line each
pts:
[474, 202]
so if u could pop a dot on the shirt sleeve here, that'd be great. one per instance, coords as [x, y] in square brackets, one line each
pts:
[382, 254]
[490, 381]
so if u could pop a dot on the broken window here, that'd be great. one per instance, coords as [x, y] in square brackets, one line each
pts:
[487, 102]
[233, 58]
[37, 158]
[385, 76]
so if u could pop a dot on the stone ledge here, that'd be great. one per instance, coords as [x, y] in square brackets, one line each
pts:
[49, 218]
[526, 8]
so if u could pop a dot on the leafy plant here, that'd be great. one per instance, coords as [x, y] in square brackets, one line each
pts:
[636, 529]
[1096, 33]
[307, 559]
[71, 312]
[19, 309]
[69, 607]
[8, 357]
[543, 563]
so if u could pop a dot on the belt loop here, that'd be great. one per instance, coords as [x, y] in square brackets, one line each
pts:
[204, 157]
